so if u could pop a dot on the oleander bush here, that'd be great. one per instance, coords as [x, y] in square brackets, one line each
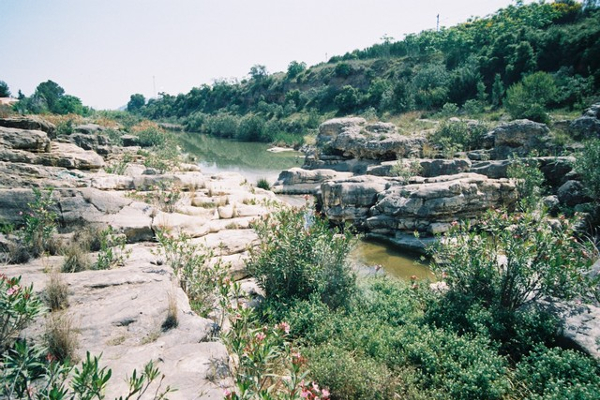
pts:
[300, 255]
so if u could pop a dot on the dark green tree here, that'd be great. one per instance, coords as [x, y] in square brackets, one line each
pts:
[136, 102]
[4, 91]
[68, 104]
[521, 62]
[528, 98]
[49, 92]
[258, 72]
[497, 91]
[348, 99]
[295, 68]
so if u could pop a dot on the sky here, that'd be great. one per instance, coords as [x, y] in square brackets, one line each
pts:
[103, 51]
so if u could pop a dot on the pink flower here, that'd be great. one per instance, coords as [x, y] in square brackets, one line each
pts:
[325, 393]
[12, 290]
[284, 326]
[260, 336]
[226, 392]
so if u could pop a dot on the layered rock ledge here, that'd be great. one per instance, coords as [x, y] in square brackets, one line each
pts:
[119, 312]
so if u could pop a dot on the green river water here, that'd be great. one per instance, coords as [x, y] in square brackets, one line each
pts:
[254, 162]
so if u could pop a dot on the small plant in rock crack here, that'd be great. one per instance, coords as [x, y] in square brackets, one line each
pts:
[18, 307]
[406, 169]
[192, 265]
[40, 222]
[112, 249]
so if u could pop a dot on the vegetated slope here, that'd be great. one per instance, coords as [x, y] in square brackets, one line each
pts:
[471, 65]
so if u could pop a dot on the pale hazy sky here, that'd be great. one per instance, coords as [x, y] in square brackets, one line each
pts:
[102, 51]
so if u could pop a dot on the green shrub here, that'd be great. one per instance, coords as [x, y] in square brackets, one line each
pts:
[463, 367]
[64, 127]
[350, 376]
[514, 260]
[587, 166]
[152, 136]
[553, 374]
[263, 183]
[26, 367]
[460, 135]
[112, 249]
[300, 255]
[529, 181]
[76, 258]
[40, 222]
[406, 169]
[18, 307]
[192, 266]
[528, 98]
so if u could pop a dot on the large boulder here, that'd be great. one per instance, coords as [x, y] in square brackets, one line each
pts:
[35, 141]
[585, 128]
[302, 181]
[593, 111]
[354, 138]
[425, 167]
[443, 199]
[518, 137]
[386, 206]
[572, 193]
[350, 199]
[20, 175]
[71, 156]
[65, 155]
[96, 142]
[494, 169]
[30, 123]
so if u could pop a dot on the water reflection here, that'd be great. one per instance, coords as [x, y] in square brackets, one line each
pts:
[396, 263]
[252, 160]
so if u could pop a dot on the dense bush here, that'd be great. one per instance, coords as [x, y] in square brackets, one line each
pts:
[299, 255]
[459, 135]
[554, 374]
[509, 261]
[529, 98]
[397, 339]
[587, 166]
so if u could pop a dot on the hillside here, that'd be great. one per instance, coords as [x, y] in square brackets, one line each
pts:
[469, 68]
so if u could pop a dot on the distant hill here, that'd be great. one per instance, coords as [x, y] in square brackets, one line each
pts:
[469, 66]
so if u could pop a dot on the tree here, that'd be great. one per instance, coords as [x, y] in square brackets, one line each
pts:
[528, 98]
[49, 92]
[136, 102]
[4, 91]
[497, 91]
[348, 99]
[295, 68]
[68, 104]
[258, 72]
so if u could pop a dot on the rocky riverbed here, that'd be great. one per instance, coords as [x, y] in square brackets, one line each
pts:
[119, 312]
[389, 186]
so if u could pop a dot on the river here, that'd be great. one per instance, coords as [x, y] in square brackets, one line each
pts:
[254, 162]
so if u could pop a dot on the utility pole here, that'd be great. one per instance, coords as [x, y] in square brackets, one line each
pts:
[437, 26]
